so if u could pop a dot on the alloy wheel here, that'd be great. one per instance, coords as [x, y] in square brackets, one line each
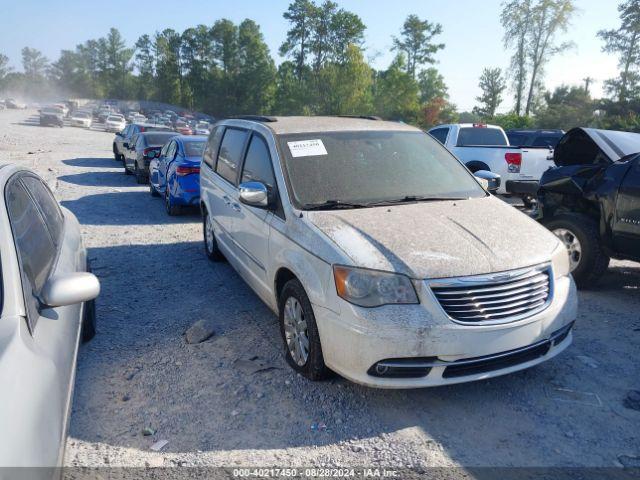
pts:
[573, 246]
[295, 331]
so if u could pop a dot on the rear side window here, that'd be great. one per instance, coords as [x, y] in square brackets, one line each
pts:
[230, 154]
[546, 141]
[440, 134]
[482, 136]
[48, 206]
[257, 166]
[210, 151]
[193, 149]
[34, 245]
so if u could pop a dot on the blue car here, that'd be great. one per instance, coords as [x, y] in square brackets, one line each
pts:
[175, 172]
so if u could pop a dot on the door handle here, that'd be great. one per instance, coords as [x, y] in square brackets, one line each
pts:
[235, 206]
[227, 200]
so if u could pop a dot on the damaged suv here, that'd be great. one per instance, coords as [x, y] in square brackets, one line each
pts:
[591, 201]
[384, 258]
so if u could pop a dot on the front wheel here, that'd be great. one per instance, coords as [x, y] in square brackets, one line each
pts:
[153, 191]
[587, 259]
[299, 332]
[172, 209]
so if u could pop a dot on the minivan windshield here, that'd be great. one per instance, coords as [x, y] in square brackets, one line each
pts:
[365, 167]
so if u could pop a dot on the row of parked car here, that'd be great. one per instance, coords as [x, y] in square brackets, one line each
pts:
[385, 259]
[343, 226]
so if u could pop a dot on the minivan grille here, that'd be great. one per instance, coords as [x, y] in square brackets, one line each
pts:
[495, 298]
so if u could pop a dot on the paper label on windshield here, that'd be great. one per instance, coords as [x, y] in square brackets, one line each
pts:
[307, 148]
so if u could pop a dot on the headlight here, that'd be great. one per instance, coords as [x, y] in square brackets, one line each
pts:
[560, 260]
[372, 288]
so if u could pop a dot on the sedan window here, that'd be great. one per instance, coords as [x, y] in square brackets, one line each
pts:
[53, 217]
[36, 250]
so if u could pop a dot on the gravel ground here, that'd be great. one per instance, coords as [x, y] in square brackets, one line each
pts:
[205, 400]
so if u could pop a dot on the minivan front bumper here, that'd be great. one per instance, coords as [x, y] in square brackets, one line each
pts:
[358, 342]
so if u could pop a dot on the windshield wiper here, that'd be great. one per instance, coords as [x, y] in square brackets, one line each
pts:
[333, 205]
[413, 198]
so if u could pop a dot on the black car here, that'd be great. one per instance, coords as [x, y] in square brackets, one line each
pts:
[591, 200]
[51, 116]
[143, 147]
[534, 138]
[122, 139]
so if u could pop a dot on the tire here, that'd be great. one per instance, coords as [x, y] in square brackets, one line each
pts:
[172, 210]
[116, 155]
[294, 303]
[153, 191]
[89, 321]
[141, 179]
[591, 262]
[126, 170]
[210, 244]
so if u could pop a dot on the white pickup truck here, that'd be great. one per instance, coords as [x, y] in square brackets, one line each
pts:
[486, 147]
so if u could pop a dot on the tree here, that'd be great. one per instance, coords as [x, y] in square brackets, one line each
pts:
[347, 30]
[145, 63]
[168, 81]
[118, 67]
[516, 19]
[493, 85]
[346, 85]
[396, 93]
[256, 71]
[300, 15]
[565, 108]
[5, 69]
[432, 85]
[548, 18]
[625, 41]
[34, 63]
[416, 42]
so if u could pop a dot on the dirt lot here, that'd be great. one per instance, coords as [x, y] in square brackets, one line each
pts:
[139, 373]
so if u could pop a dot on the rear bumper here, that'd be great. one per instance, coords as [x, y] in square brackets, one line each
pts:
[186, 190]
[522, 187]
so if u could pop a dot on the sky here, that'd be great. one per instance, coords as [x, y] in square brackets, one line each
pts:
[471, 32]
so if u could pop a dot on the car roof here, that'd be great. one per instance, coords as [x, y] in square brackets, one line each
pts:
[282, 125]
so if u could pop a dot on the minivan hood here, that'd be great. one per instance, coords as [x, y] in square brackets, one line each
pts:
[438, 239]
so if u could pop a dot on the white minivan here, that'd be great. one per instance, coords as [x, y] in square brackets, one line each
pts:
[384, 258]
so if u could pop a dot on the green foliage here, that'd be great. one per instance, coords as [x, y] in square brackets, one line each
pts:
[432, 85]
[512, 120]
[625, 42]
[566, 108]
[395, 93]
[416, 43]
[492, 85]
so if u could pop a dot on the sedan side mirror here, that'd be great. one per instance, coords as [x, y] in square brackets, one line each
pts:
[254, 194]
[489, 180]
[125, 144]
[70, 289]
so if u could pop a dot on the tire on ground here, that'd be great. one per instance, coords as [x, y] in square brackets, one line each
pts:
[314, 369]
[593, 260]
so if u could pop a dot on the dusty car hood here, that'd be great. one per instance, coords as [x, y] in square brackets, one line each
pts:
[438, 239]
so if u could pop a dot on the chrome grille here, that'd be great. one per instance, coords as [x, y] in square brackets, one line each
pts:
[495, 298]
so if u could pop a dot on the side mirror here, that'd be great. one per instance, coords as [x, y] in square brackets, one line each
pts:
[489, 180]
[254, 194]
[70, 289]
[118, 134]
[125, 144]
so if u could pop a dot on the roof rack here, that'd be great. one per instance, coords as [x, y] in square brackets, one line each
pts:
[363, 117]
[255, 118]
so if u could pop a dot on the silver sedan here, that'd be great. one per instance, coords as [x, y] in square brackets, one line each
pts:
[47, 305]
